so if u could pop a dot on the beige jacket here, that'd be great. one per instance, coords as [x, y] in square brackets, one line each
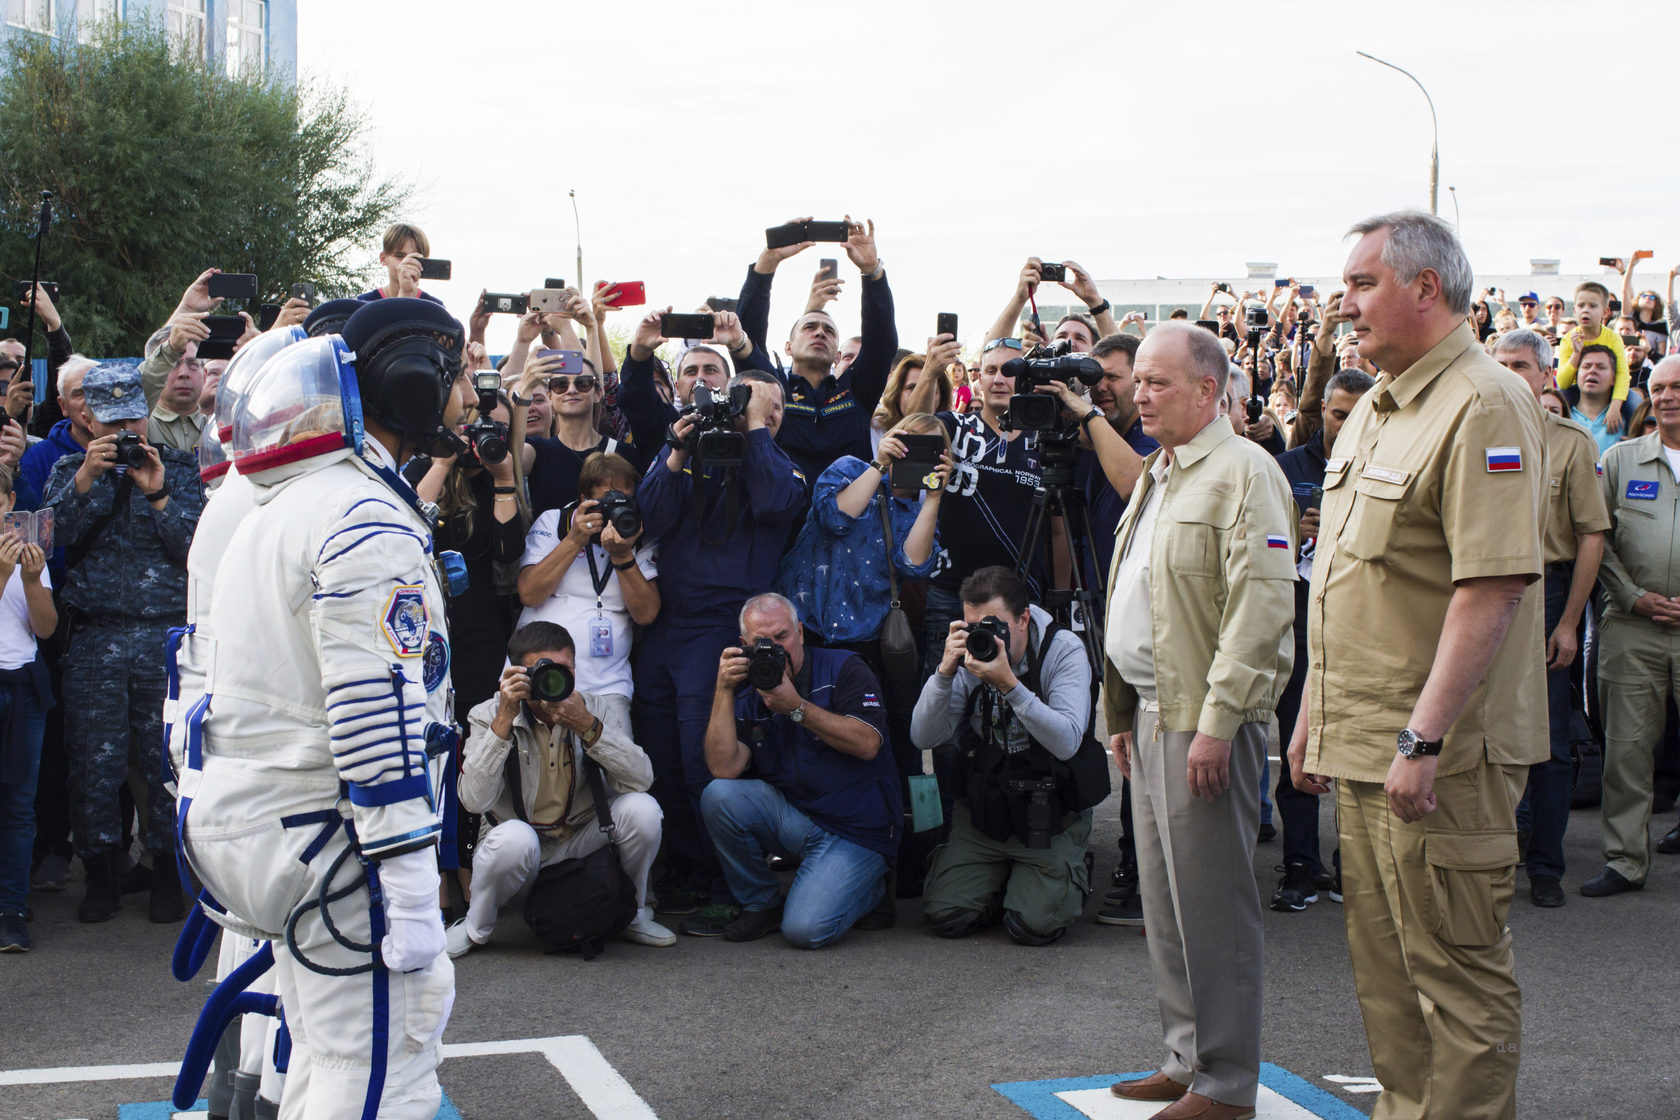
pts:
[1221, 587]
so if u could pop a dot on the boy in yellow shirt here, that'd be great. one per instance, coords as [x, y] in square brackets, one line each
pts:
[1592, 300]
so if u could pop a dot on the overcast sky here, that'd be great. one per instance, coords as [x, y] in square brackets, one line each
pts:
[1173, 139]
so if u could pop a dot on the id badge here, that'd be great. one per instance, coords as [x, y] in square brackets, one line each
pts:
[600, 638]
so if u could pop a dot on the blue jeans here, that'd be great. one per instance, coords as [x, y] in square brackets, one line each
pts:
[17, 802]
[838, 881]
[1551, 783]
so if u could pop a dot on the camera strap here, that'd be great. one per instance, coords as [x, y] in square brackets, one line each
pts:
[78, 552]
[887, 535]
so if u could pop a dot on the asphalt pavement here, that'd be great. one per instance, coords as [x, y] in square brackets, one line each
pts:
[894, 1023]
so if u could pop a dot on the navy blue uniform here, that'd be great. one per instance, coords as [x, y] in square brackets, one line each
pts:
[1304, 468]
[121, 599]
[708, 568]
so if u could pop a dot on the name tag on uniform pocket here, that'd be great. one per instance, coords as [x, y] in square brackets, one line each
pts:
[1640, 490]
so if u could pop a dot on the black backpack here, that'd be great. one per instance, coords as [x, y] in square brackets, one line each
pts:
[577, 904]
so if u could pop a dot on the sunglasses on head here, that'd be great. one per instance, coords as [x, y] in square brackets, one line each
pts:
[1008, 343]
[560, 383]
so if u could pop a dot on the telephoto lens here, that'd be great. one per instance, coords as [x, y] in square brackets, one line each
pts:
[987, 637]
[766, 664]
[551, 681]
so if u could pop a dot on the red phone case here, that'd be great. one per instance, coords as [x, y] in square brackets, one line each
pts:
[630, 293]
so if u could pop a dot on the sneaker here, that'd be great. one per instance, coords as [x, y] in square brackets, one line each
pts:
[682, 900]
[710, 919]
[754, 924]
[1124, 910]
[1298, 888]
[457, 941]
[14, 933]
[52, 874]
[1330, 884]
[1125, 876]
[1268, 831]
[646, 931]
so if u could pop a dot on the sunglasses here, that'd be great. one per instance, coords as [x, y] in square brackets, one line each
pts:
[585, 383]
[1008, 343]
[1554, 307]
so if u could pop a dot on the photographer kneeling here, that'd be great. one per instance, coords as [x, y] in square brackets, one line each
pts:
[1018, 720]
[523, 771]
[813, 732]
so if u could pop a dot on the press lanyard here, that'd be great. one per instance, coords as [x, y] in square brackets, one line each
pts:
[596, 576]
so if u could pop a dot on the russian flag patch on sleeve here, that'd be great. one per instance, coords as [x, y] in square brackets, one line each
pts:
[1276, 542]
[1504, 459]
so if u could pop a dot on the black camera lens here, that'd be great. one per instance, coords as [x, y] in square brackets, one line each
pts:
[621, 512]
[489, 442]
[128, 452]
[551, 681]
[987, 637]
[766, 664]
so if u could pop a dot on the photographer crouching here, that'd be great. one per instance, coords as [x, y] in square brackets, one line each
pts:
[1014, 689]
[527, 749]
[124, 512]
[810, 726]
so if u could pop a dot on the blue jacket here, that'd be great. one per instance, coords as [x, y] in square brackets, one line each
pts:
[833, 573]
[1303, 466]
[823, 423]
[708, 567]
[852, 798]
[38, 463]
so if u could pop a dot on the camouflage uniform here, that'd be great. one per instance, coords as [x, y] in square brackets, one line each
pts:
[121, 599]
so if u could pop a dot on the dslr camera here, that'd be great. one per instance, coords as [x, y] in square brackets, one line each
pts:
[621, 512]
[129, 453]
[488, 438]
[1032, 411]
[714, 441]
[987, 638]
[766, 664]
[551, 681]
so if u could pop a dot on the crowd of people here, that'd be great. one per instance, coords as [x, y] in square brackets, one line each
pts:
[796, 629]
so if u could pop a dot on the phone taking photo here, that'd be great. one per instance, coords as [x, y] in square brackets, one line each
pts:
[435, 268]
[917, 470]
[233, 285]
[686, 326]
[504, 303]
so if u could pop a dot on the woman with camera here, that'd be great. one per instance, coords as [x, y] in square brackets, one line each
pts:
[836, 572]
[590, 569]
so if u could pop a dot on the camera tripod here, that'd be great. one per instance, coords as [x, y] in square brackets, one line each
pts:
[1057, 495]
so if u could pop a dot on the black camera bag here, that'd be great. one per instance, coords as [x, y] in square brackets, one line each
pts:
[577, 904]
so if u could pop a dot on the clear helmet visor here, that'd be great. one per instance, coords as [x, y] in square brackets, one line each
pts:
[213, 462]
[243, 367]
[296, 407]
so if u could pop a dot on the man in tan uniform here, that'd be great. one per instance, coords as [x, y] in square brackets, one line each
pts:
[1423, 635]
[1576, 520]
[1639, 652]
[1199, 647]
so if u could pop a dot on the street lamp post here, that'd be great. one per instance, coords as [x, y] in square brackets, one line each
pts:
[1435, 147]
[1458, 224]
[577, 228]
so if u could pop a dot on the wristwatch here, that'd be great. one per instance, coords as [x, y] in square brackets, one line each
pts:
[798, 714]
[1413, 747]
[1098, 308]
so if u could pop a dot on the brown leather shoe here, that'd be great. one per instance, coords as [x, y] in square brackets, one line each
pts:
[1156, 1087]
[1194, 1106]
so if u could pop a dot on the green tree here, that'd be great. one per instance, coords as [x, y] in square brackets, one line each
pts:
[161, 167]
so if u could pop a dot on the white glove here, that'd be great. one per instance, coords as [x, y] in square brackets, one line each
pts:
[414, 927]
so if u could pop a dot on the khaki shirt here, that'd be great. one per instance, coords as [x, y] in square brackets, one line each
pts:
[1642, 552]
[1221, 586]
[171, 429]
[1575, 504]
[1415, 501]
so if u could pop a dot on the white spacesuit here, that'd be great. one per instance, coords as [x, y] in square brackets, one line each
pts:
[307, 788]
[248, 1057]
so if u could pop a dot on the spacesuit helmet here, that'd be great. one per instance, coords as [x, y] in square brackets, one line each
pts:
[250, 358]
[407, 354]
[330, 317]
[302, 404]
[213, 461]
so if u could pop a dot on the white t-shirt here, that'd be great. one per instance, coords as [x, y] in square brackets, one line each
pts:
[600, 627]
[17, 640]
[1131, 634]
[1673, 461]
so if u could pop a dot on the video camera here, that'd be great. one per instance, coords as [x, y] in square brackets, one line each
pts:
[1032, 411]
[714, 440]
[488, 438]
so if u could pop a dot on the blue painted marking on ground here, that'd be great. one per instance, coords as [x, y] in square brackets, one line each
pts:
[1038, 1099]
[163, 1110]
